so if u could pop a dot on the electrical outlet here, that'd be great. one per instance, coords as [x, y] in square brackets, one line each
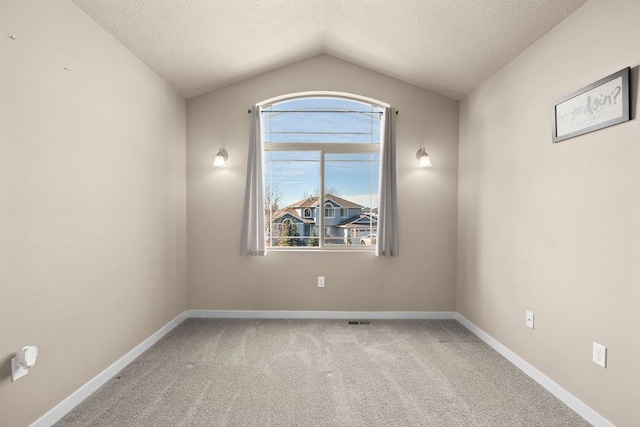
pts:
[599, 355]
[529, 319]
[23, 361]
[18, 370]
[321, 281]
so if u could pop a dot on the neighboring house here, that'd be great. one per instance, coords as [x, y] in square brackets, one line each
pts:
[345, 222]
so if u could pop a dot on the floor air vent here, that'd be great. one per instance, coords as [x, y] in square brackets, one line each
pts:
[358, 322]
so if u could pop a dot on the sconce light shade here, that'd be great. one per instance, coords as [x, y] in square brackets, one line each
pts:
[221, 158]
[423, 158]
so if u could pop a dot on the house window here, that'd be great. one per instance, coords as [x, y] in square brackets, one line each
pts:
[329, 211]
[323, 153]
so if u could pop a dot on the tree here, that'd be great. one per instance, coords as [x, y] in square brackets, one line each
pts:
[316, 192]
[272, 199]
[289, 234]
[313, 238]
[332, 190]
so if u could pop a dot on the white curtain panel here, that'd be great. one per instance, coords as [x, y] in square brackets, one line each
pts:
[387, 243]
[252, 236]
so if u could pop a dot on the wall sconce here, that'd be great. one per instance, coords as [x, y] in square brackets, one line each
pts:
[221, 158]
[423, 158]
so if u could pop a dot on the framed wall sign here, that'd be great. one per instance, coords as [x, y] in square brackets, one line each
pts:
[599, 105]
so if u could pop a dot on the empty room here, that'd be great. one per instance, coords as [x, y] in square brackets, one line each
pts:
[319, 213]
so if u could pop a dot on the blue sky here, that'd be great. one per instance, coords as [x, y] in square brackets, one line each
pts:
[296, 174]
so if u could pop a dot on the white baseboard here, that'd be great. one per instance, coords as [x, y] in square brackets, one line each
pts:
[64, 407]
[286, 314]
[554, 388]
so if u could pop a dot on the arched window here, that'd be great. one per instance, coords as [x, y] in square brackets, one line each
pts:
[318, 148]
[329, 211]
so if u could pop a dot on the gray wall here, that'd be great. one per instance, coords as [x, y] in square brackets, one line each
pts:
[555, 228]
[92, 202]
[422, 278]
[93, 254]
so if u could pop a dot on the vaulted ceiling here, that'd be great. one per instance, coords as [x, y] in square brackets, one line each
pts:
[447, 46]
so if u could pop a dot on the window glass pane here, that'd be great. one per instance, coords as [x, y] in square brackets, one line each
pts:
[291, 179]
[322, 120]
[294, 207]
[351, 184]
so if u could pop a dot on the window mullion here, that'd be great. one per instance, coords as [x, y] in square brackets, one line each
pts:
[321, 202]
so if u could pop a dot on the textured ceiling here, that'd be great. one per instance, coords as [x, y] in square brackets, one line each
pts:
[447, 46]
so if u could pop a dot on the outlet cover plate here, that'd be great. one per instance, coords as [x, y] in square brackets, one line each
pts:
[321, 281]
[599, 354]
[17, 371]
[529, 319]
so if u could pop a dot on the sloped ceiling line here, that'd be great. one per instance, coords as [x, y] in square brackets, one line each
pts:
[447, 46]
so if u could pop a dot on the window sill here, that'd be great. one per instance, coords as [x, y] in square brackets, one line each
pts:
[371, 250]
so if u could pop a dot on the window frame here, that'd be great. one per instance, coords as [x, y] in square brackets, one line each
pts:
[324, 148]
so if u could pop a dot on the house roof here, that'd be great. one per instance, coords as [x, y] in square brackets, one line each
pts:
[292, 212]
[448, 47]
[313, 201]
[354, 221]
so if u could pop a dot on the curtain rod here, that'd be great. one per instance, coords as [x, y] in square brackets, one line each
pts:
[321, 111]
[320, 133]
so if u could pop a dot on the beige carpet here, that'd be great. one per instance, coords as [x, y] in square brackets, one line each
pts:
[233, 372]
